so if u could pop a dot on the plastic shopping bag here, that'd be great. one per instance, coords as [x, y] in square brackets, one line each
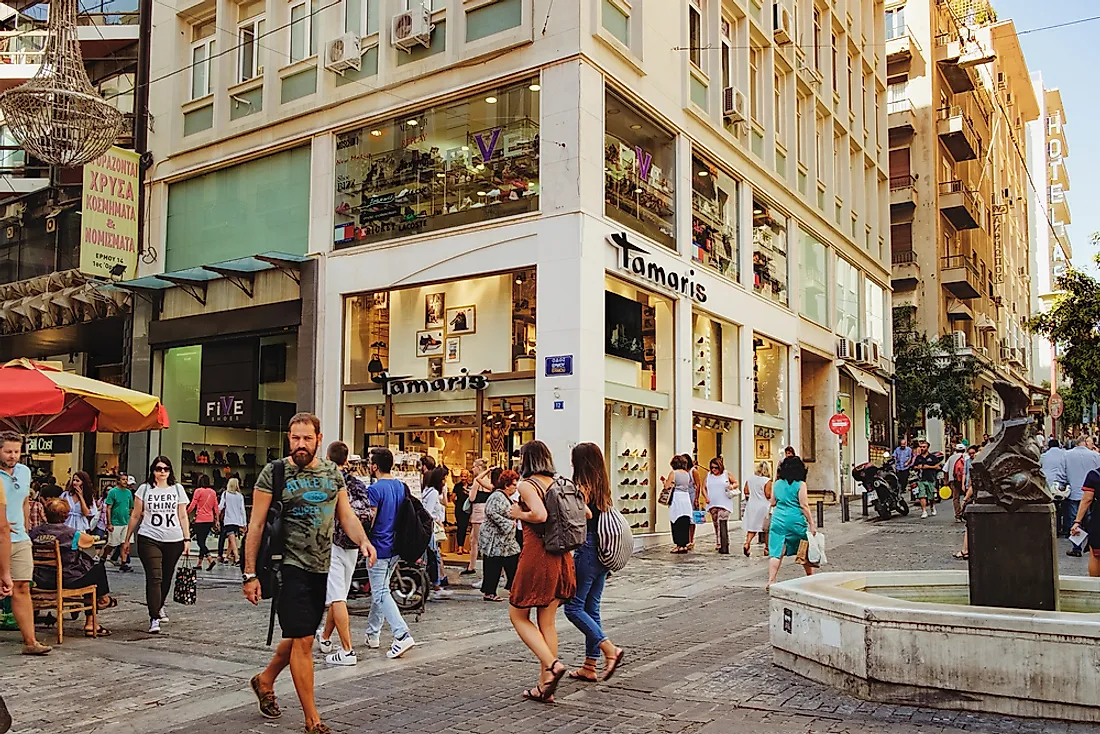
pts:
[816, 552]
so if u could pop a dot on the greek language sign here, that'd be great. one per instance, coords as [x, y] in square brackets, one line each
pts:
[109, 211]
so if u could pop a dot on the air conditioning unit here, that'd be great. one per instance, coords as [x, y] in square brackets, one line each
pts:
[734, 104]
[342, 53]
[958, 338]
[411, 28]
[845, 348]
[984, 351]
[782, 19]
[861, 353]
[874, 350]
[1007, 354]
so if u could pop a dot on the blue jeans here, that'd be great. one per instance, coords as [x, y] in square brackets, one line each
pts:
[382, 604]
[583, 610]
[1069, 514]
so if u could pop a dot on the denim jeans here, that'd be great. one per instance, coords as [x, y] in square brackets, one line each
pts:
[583, 610]
[382, 604]
[1069, 514]
[431, 561]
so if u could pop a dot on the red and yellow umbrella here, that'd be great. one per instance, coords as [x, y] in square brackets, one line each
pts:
[40, 397]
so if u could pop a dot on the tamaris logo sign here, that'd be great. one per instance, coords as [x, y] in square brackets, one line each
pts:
[634, 259]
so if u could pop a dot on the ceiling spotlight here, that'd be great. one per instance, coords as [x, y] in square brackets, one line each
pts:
[637, 191]
[376, 133]
[704, 174]
[491, 100]
[441, 175]
[465, 147]
[481, 193]
[413, 122]
[535, 87]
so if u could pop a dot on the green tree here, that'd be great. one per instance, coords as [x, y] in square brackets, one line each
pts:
[931, 377]
[1073, 325]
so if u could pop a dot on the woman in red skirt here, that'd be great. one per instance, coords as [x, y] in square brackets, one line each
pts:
[543, 580]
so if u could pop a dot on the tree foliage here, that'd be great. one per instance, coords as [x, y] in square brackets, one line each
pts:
[931, 376]
[1073, 325]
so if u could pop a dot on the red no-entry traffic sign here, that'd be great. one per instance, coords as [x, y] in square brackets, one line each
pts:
[840, 424]
[1056, 406]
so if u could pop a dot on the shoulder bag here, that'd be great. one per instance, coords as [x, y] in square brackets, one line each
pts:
[615, 541]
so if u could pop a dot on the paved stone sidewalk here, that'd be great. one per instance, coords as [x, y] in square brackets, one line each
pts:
[695, 627]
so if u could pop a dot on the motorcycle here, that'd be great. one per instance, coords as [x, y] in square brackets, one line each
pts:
[882, 484]
[409, 584]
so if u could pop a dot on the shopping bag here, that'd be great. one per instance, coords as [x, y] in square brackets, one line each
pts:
[699, 517]
[185, 588]
[816, 551]
[665, 498]
[802, 557]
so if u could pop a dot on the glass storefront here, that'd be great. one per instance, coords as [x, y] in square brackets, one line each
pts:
[814, 272]
[229, 402]
[714, 437]
[464, 162]
[714, 360]
[769, 251]
[714, 217]
[639, 172]
[638, 337]
[631, 455]
[769, 364]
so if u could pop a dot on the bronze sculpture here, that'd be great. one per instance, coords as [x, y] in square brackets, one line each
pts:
[1007, 471]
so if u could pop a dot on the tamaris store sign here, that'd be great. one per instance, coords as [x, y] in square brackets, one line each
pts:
[109, 211]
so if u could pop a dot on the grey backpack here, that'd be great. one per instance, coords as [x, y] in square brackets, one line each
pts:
[566, 525]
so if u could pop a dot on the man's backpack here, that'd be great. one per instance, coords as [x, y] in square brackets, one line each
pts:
[566, 525]
[414, 529]
[269, 558]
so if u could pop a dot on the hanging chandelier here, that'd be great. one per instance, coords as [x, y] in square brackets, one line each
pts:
[57, 116]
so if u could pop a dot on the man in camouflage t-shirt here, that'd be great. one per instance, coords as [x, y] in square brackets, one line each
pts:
[314, 498]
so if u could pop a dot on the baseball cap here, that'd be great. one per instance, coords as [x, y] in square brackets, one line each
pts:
[960, 447]
[130, 479]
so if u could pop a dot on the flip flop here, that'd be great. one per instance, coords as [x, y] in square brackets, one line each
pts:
[101, 632]
[613, 664]
[492, 598]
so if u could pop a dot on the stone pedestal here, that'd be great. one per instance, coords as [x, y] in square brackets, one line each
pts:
[1013, 561]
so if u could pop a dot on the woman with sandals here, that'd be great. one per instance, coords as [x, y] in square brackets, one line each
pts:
[543, 580]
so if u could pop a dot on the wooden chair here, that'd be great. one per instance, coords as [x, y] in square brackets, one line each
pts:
[47, 554]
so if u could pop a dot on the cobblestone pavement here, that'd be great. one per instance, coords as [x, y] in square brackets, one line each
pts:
[695, 628]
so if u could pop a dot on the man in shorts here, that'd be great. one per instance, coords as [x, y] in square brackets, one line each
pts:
[927, 467]
[314, 499]
[15, 480]
[120, 503]
[345, 554]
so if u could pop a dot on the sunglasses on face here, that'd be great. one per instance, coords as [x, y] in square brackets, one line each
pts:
[161, 468]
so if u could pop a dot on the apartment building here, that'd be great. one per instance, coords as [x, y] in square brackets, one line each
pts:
[451, 228]
[54, 303]
[1049, 214]
[960, 96]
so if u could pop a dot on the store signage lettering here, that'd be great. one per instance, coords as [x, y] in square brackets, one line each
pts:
[406, 386]
[487, 149]
[108, 220]
[645, 161]
[635, 260]
[49, 444]
[559, 366]
[226, 410]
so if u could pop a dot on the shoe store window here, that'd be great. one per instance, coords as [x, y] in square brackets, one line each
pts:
[230, 402]
[638, 337]
[769, 251]
[632, 466]
[448, 329]
[769, 364]
[714, 360]
[456, 164]
[639, 172]
[714, 219]
[717, 437]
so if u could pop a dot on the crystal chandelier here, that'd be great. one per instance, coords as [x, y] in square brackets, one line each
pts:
[57, 116]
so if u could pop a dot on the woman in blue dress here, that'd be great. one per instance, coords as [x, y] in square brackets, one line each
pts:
[791, 518]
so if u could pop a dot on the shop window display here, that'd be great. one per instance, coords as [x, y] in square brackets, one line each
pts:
[769, 366]
[715, 436]
[639, 169]
[632, 464]
[714, 219]
[455, 164]
[769, 251]
[707, 358]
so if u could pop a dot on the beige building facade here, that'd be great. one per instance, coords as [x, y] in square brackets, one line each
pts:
[960, 98]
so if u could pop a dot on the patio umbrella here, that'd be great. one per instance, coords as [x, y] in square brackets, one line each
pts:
[40, 397]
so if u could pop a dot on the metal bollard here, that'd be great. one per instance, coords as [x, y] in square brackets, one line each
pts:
[865, 508]
[820, 513]
[845, 515]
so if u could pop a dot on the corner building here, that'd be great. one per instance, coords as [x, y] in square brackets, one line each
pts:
[657, 226]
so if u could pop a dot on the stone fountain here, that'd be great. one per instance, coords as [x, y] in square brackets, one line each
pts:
[1008, 636]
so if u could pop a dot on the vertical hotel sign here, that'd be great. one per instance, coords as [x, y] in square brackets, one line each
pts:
[109, 210]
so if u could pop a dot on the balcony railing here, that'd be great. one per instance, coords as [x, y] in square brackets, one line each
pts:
[958, 187]
[899, 105]
[905, 181]
[903, 257]
[22, 47]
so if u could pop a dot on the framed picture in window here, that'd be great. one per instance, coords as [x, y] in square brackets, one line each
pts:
[461, 320]
[429, 343]
[763, 448]
[435, 368]
[434, 313]
[452, 350]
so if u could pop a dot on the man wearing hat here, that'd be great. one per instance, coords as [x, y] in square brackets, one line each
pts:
[956, 474]
[120, 503]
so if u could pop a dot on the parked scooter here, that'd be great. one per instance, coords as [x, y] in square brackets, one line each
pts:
[882, 484]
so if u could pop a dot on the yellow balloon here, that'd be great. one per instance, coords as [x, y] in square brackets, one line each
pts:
[945, 493]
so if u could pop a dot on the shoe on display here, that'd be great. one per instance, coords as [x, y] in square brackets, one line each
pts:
[625, 453]
[634, 468]
[644, 452]
[700, 340]
[645, 495]
[634, 497]
[341, 657]
[625, 497]
[645, 524]
[645, 483]
[702, 383]
[626, 467]
[635, 526]
[400, 647]
[633, 482]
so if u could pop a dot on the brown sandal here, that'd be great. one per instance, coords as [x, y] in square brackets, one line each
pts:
[576, 674]
[613, 664]
[550, 687]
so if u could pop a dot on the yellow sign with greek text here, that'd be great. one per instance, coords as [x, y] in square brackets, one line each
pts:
[109, 212]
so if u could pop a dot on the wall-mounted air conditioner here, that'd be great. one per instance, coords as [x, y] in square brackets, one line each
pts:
[412, 28]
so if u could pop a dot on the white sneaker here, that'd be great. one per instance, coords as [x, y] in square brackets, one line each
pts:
[325, 646]
[441, 594]
[400, 647]
[924, 515]
[476, 583]
[341, 657]
[373, 641]
[933, 510]
[162, 616]
[154, 626]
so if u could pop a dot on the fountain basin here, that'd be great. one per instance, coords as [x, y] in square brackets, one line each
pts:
[911, 638]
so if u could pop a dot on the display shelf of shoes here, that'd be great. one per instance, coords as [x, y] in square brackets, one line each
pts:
[631, 487]
[702, 379]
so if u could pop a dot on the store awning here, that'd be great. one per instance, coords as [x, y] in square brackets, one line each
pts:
[241, 272]
[866, 380]
[58, 299]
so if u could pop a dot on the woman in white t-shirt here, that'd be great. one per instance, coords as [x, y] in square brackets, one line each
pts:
[163, 534]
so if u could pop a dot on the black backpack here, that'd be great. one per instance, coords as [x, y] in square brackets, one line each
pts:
[269, 558]
[414, 529]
